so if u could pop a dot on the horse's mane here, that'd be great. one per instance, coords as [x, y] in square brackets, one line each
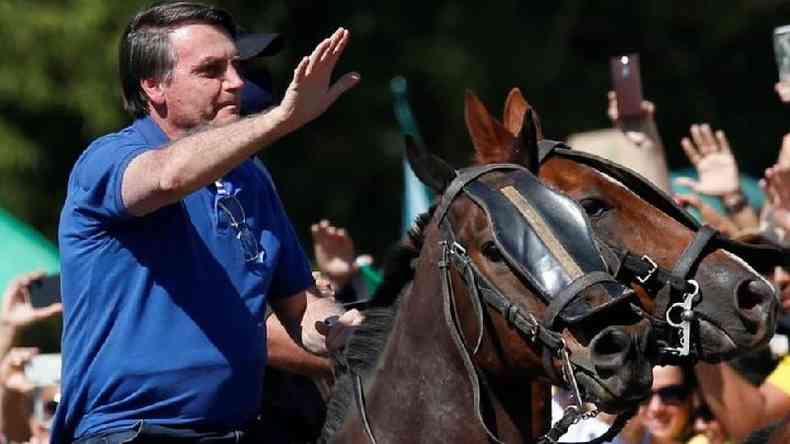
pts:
[368, 341]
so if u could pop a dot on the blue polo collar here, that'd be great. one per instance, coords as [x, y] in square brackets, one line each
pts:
[150, 131]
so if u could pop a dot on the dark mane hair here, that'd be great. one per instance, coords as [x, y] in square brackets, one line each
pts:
[365, 346]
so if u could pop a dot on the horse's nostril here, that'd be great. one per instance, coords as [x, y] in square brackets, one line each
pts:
[609, 349]
[752, 293]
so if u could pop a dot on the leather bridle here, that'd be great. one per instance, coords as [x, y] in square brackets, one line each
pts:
[481, 291]
[676, 290]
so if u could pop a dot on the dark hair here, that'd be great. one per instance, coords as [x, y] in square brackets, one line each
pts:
[145, 51]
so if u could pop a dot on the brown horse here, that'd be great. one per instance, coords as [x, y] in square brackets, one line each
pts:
[659, 248]
[613, 197]
[656, 245]
[508, 288]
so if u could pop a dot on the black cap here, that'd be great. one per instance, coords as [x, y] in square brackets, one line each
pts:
[255, 44]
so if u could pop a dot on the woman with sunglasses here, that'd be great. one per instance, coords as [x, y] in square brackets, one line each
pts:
[665, 417]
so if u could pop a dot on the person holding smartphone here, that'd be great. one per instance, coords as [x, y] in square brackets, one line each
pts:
[17, 422]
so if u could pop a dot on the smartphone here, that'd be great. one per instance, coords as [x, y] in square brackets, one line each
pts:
[782, 51]
[45, 291]
[44, 369]
[627, 84]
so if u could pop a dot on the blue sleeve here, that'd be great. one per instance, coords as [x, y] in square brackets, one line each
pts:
[98, 175]
[293, 273]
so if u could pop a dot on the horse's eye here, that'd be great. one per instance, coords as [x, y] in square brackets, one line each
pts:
[594, 207]
[491, 251]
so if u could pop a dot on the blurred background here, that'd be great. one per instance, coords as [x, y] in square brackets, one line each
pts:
[701, 61]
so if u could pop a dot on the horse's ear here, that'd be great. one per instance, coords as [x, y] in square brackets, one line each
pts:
[515, 108]
[527, 141]
[523, 122]
[492, 141]
[434, 172]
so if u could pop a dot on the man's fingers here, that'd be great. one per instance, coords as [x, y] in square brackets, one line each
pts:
[315, 56]
[342, 43]
[690, 150]
[707, 138]
[342, 85]
[724, 144]
[696, 137]
[334, 42]
[300, 71]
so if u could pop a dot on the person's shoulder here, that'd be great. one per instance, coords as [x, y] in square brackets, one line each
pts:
[105, 151]
[123, 137]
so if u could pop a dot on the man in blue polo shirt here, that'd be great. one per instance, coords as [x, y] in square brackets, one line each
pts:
[172, 241]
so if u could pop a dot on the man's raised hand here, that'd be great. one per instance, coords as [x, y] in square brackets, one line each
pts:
[310, 92]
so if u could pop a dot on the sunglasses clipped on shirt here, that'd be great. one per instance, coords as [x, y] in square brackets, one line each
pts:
[671, 394]
[231, 206]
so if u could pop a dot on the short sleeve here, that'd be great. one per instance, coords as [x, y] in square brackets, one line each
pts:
[95, 188]
[780, 377]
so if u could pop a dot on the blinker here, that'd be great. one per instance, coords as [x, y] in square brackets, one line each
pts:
[546, 238]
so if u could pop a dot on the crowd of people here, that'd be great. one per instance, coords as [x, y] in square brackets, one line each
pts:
[176, 231]
[709, 403]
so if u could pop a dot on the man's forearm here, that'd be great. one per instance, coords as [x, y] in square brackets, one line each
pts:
[285, 354]
[161, 177]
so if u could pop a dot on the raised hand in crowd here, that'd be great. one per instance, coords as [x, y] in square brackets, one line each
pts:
[16, 311]
[334, 252]
[708, 213]
[646, 138]
[713, 159]
[16, 390]
[717, 172]
[647, 117]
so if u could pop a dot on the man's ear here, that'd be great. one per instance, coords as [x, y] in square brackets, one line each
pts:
[154, 90]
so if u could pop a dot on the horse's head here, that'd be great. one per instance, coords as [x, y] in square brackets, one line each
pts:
[655, 244]
[528, 254]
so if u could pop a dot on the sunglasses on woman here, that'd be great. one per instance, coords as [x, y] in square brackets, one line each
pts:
[671, 394]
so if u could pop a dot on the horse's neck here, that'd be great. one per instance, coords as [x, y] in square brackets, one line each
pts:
[420, 391]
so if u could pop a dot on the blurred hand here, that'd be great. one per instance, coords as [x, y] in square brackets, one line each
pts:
[334, 252]
[310, 92]
[338, 331]
[648, 109]
[776, 185]
[640, 140]
[321, 305]
[712, 157]
[783, 90]
[12, 369]
[16, 311]
[709, 214]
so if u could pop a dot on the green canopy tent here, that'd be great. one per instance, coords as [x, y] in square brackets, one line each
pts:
[23, 249]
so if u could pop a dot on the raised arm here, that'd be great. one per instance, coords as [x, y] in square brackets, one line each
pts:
[712, 157]
[740, 406]
[160, 177]
[646, 140]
